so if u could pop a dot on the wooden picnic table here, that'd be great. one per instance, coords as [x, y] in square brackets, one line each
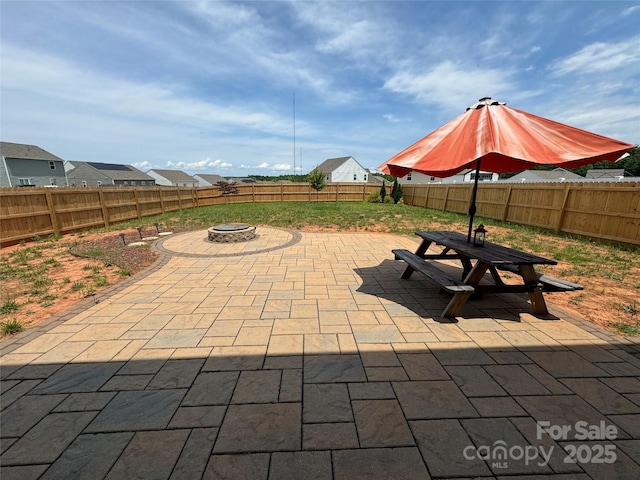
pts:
[476, 261]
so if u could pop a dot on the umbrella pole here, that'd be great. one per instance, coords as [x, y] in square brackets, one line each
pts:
[472, 207]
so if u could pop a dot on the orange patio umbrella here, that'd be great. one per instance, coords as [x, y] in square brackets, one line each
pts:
[501, 139]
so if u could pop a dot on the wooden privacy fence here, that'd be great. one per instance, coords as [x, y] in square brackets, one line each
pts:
[607, 211]
[26, 213]
[599, 210]
[29, 212]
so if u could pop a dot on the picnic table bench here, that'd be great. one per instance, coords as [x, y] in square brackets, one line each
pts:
[460, 291]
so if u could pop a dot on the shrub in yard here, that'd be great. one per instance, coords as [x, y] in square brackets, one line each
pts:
[396, 191]
[374, 197]
[11, 327]
[228, 188]
[316, 181]
[9, 306]
[383, 192]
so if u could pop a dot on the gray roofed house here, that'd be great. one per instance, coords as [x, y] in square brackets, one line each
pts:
[608, 173]
[376, 179]
[343, 169]
[29, 165]
[242, 180]
[555, 175]
[172, 178]
[206, 179]
[89, 174]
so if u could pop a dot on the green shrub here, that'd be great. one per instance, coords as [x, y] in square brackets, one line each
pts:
[396, 191]
[11, 327]
[374, 197]
[9, 306]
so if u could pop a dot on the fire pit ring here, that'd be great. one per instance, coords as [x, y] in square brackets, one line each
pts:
[231, 232]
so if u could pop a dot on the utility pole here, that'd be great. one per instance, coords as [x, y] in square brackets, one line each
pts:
[294, 132]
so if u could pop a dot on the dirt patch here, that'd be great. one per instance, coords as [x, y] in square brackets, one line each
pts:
[41, 279]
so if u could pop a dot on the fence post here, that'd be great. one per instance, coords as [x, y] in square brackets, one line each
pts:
[179, 199]
[426, 196]
[161, 200]
[562, 208]
[135, 197]
[103, 206]
[446, 197]
[506, 204]
[52, 212]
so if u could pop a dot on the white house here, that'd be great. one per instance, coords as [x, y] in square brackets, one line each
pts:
[343, 169]
[465, 176]
[172, 178]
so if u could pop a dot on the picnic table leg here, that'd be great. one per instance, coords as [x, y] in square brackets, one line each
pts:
[474, 276]
[537, 300]
[455, 304]
[424, 246]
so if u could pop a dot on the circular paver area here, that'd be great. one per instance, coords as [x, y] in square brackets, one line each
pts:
[197, 244]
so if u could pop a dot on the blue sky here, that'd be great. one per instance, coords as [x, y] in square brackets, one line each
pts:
[207, 87]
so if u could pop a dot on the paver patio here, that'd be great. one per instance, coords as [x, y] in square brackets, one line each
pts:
[303, 355]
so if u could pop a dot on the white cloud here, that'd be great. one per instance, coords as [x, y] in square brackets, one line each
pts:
[601, 57]
[48, 76]
[452, 86]
[281, 167]
[143, 166]
[200, 165]
[278, 167]
[391, 117]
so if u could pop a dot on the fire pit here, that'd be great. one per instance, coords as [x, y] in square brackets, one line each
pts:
[231, 232]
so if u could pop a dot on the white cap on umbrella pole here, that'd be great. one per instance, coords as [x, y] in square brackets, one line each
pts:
[484, 102]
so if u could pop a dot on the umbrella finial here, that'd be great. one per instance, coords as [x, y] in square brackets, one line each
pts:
[484, 102]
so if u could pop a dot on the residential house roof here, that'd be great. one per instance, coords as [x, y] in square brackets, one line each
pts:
[242, 180]
[210, 178]
[376, 179]
[174, 176]
[330, 164]
[605, 173]
[27, 152]
[557, 174]
[116, 171]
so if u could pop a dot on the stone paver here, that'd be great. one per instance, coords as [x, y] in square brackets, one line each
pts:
[304, 355]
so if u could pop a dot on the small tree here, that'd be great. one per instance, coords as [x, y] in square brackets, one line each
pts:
[316, 181]
[227, 188]
[383, 192]
[396, 191]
